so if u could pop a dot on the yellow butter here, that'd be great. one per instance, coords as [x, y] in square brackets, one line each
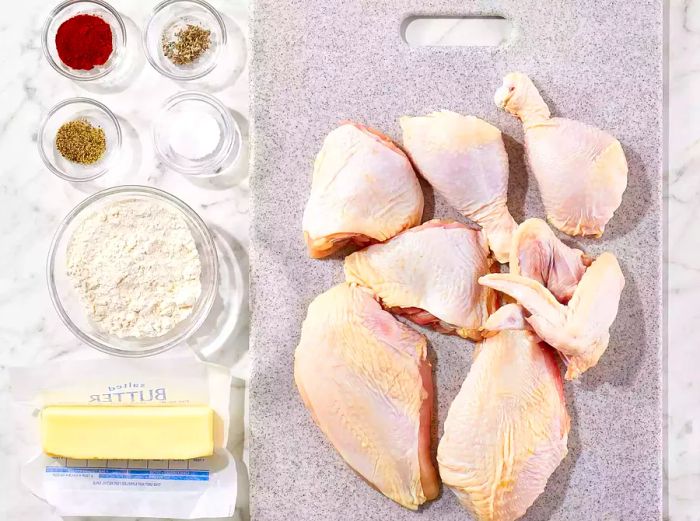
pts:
[103, 432]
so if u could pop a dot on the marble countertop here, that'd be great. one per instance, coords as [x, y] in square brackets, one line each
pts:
[33, 201]
[682, 383]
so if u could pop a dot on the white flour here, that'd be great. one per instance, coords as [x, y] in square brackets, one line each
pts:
[136, 267]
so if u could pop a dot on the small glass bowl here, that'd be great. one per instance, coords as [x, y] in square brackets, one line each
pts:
[68, 10]
[69, 306]
[171, 15]
[224, 153]
[97, 115]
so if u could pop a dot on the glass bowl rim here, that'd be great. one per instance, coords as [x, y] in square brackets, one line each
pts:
[154, 63]
[71, 101]
[232, 129]
[162, 196]
[45, 38]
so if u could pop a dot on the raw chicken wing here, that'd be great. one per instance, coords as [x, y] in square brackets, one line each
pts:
[364, 190]
[464, 159]
[538, 254]
[508, 317]
[506, 431]
[580, 329]
[581, 170]
[365, 379]
[430, 273]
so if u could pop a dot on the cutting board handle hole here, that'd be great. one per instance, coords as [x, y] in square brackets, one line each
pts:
[456, 31]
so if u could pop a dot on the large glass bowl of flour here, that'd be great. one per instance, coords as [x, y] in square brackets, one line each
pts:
[169, 282]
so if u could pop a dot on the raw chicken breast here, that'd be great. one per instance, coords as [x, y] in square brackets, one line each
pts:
[538, 254]
[506, 431]
[579, 330]
[364, 190]
[464, 159]
[365, 379]
[429, 273]
[581, 170]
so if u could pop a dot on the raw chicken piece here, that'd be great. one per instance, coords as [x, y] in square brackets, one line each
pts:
[365, 379]
[429, 273]
[579, 330]
[538, 254]
[364, 190]
[581, 170]
[508, 317]
[506, 431]
[464, 159]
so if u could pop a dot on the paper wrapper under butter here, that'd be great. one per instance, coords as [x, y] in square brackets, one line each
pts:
[187, 489]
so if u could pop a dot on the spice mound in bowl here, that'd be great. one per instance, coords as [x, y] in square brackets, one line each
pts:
[79, 139]
[84, 42]
[81, 142]
[84, 39]
[133, 271]
[183, 38]
[187, 44]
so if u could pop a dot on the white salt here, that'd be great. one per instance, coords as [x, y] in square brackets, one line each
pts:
[193, 134]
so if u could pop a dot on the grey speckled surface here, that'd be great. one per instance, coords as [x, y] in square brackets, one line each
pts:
[316, 62]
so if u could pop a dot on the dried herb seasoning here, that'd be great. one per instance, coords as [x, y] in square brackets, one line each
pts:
[81, 142]
[188, 44]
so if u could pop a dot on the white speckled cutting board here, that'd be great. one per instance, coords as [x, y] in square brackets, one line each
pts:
[316, 62]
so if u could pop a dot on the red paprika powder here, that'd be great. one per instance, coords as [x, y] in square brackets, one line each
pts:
[84, 41]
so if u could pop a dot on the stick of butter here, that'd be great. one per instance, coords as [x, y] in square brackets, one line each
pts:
[104, 432]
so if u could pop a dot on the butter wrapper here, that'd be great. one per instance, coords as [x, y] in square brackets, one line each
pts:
[186, 489]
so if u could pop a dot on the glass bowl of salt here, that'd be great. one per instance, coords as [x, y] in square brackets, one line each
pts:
[195, 134]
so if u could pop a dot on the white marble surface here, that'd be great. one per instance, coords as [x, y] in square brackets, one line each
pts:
[683, 384]
[33, 201]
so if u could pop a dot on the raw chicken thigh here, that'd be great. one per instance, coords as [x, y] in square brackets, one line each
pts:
[506, 431]
[580, 329]
[538, 254]
[581, 170]
[464, 159]
[364, 190]
[430, 273]
[365, 379]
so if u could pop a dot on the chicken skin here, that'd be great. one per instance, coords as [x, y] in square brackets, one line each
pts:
[365, 378]
[429, 274]
[364, 190]
[506, 431]
[538, 254]
[464, 159]
[580, 330]
[581, 170]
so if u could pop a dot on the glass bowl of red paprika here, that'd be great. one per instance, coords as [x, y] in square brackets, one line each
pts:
[84, 39]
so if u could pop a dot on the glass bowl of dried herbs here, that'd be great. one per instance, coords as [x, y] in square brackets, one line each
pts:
[79, 139]
[183, 38]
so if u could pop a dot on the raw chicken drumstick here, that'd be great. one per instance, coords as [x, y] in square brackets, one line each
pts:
[538, 254]
[464, 159]
[506, 431]
[364, 190]
[430, 273]
[581, 170]
[580, 329]
[365, 379]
